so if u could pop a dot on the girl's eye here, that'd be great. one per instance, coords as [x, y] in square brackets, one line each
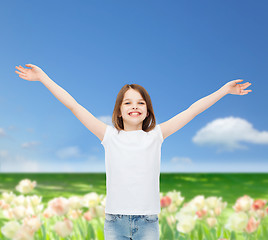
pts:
[140, 102]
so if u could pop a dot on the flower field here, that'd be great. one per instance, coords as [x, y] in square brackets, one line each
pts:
[193, 206]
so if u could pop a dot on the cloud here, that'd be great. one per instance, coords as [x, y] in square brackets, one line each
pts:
[178, 163]
[5, 135]
[30, 144]
[69, 152]
[12, 127]
[228, 133]
[30, 130]
[106, 119]
[2, 132]
[3, 153]
[10, 162]
[181, 160]
[215, 167]
[17, 163]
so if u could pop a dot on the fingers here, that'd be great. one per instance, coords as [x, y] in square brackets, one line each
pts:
[21, 69]
[244, 92]
[21, 74]
[245, 85]
[18, 72]
[30, 65]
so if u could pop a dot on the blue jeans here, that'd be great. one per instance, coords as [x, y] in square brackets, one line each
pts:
[133, 227]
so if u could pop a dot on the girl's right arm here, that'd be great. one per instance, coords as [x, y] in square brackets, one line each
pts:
[93, 124]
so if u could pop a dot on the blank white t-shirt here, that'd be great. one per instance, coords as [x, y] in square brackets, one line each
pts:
[132, 162]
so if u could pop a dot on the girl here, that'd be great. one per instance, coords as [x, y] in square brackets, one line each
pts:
[132, 152]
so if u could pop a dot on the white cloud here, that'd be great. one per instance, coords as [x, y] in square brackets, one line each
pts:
[3, 153]
[176, 164]
[19, 163]
[12, 127]
[69, 152]
[181, 162]
[2, 132]
[228, 133]
[106, 119]
[30, 130]
[30, 144]
[185, 165]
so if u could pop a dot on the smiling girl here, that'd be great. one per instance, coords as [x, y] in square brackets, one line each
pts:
[132, 151]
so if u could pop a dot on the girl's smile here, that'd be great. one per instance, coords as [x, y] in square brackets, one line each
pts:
[134, 114]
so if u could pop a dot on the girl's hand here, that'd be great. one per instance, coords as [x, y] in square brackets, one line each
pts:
[238, 89]
[33, 74]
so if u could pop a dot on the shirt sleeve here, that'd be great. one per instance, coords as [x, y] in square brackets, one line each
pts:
[159, 131]
[107, 135]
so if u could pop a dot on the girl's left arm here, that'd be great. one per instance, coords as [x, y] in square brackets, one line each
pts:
[181, 119]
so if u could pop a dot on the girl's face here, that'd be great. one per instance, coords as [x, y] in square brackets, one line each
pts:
[133, 102]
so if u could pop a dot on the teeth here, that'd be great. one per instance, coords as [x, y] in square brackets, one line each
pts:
[134, 114]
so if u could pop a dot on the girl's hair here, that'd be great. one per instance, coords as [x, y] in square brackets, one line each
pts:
[148, 123]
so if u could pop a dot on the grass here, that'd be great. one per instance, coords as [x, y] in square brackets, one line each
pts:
[229, 186]
[51, 185]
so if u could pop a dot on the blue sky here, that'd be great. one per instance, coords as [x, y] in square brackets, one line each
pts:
[180, 51]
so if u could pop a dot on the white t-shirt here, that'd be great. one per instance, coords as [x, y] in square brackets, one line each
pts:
[132, 162]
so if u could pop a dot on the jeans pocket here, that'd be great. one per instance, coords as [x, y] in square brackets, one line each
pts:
[151, 218]
[110, 217]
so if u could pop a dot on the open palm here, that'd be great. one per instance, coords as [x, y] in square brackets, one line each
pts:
[32, 74]
[238, 89]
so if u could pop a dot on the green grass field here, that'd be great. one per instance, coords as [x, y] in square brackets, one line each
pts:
[229, 186]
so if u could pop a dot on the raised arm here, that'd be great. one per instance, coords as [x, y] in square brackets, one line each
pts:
[94, 125]
[181, 119]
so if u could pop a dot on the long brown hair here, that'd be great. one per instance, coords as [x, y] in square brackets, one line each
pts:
[149, 122]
